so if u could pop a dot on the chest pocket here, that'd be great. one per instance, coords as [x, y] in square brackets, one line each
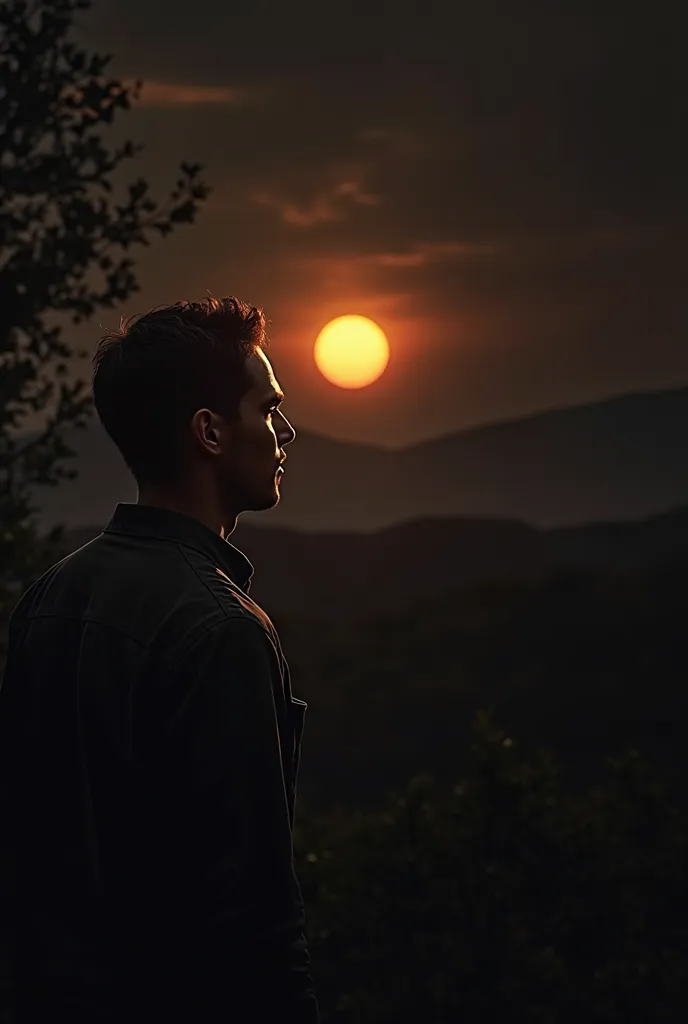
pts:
[298, 719]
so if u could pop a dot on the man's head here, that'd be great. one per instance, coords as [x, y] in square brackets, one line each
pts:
[191, 401]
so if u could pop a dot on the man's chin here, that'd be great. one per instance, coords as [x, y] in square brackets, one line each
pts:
[265, 503]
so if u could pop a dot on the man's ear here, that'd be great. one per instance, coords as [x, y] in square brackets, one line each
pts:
[213, 432]
[206, 429]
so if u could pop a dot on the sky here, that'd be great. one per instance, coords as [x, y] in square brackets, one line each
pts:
[501, 186]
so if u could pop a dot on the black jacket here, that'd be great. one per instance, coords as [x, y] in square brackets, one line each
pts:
[150, 749]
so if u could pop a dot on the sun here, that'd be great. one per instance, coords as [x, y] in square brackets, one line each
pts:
[351, 351]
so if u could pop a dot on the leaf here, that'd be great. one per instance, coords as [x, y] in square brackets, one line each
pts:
[62, 237]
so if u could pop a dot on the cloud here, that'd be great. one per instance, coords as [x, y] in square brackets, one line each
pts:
[156, 94]
[427, 252]
[418, 257]
[396, 141]
[406, 285]
[546, 248]
[326, 207]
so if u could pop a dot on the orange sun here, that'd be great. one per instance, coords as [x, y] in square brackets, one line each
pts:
[351, 351]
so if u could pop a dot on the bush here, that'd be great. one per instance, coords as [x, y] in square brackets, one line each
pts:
[500, 895]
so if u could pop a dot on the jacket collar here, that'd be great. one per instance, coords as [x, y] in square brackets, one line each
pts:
[151, 521]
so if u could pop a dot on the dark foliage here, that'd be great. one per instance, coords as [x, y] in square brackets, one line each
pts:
[62, 234]
[584, 661]
[501, 896]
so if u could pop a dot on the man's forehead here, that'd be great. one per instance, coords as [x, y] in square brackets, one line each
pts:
[263, 375]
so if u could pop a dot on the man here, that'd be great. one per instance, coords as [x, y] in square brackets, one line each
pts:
[151, 739]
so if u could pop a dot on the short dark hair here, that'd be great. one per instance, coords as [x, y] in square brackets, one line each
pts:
[153, 373]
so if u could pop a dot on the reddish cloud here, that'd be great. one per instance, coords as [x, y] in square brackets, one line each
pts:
[174, 94]
[327, 207]
[427, 252]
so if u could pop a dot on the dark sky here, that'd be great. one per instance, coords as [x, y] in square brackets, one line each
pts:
[501, 185]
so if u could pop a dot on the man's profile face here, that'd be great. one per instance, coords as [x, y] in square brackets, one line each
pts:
[255, 442]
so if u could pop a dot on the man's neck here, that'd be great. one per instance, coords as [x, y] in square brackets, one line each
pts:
[189, 503]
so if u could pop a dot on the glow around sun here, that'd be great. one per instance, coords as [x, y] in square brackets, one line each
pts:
[351, 351]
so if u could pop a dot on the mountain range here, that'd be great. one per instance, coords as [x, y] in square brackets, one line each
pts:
[619, 459]
[352, 576]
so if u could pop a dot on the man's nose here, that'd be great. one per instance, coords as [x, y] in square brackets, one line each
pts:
[287, 432]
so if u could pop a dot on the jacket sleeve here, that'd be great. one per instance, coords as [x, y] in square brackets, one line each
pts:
[231, 908]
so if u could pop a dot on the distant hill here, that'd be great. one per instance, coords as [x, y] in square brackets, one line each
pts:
[344, 577]
[585, 663]
[620, 459]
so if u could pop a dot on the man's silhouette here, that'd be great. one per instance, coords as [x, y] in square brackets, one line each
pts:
[150, 737]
